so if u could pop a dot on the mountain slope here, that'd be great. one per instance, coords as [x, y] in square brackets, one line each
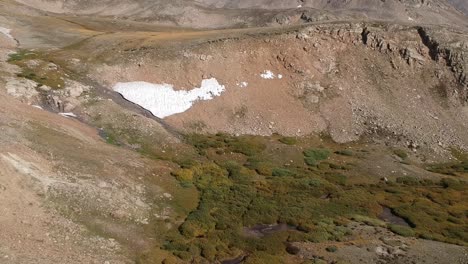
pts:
[222, 13]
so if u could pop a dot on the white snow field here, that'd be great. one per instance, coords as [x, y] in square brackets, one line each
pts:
[162, 100]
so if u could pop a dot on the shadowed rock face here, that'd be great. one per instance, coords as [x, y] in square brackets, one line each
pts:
[225, 13]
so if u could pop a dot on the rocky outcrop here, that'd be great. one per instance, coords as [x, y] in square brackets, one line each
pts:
[453, 51]
[415, 45]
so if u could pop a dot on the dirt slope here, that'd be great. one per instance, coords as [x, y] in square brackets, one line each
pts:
[68, 196]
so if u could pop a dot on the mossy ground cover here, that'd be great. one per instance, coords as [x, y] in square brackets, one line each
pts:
[457, 167]
[242, 185]
[44, 71]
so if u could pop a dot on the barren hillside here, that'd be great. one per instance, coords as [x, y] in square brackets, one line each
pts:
[241, 13]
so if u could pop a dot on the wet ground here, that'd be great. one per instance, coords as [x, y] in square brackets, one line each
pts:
[264, 230]
[388, 216]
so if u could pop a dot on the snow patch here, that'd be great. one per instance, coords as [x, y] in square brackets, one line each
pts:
[67, 114]
[410, 19]
[38, 107]
[243, 84]
[6, 32]
[162, 100]
[267, 74]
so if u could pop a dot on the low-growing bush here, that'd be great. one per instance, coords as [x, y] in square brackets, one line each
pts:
[208, 251]
[336, 178]
[248, 146]
[281, 172]
[314, 156]
[183, 175]
[263, 168]
[323, 166]
[331, 249]
[368, 221]
[407, 180]
[400, 153]
[452, 184]
[317, 153]
[288, 140]
[311, 161]
[402, 230]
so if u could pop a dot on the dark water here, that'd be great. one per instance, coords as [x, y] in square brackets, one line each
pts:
[388, 216]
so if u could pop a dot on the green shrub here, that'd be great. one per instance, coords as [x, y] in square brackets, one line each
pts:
[310, 161]
[450, 183]
[368, 221]
[336, 178]
[317, 153]
[19, 55]
[319, 235]
[111, 139]
[331, 249]
[202, 142]
[248, 146]
[323, 166]
[184, 255]
[288, 140]
[427, 182]
[313, 156]
[186, 184]
[208, 251]
[402, 230]
[187, 163]
[281, 172]
[263, 168]
[210, 176]
[456, 232]
[336, 166]
[183, 175]
[400, 153]
[407, 180]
